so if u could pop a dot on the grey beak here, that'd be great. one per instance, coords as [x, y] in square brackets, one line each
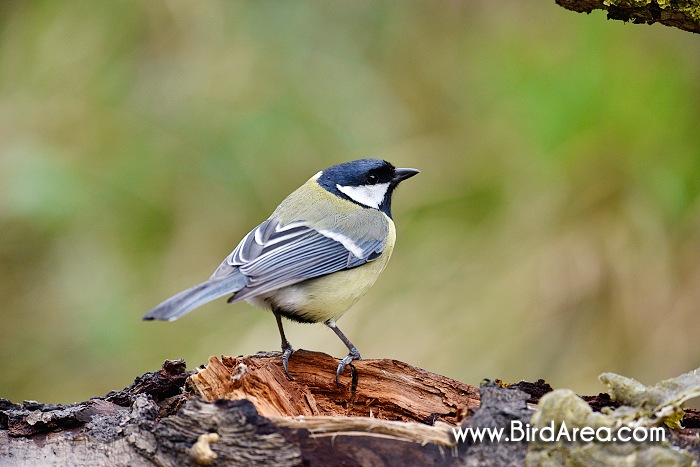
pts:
[403, 174]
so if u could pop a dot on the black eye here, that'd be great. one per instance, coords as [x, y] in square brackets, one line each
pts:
[372, 179]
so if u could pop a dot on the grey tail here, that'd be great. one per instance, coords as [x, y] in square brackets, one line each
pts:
[186, 301]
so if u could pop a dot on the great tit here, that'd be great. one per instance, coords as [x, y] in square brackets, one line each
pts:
[314, 257]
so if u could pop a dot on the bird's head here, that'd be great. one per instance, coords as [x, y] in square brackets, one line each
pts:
[367, 182]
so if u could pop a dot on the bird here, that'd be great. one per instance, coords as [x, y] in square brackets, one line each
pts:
[319, 252]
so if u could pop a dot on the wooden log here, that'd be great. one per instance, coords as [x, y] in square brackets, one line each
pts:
[385, 413]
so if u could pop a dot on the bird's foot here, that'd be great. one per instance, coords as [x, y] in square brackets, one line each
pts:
[353, 355]
[286, 353]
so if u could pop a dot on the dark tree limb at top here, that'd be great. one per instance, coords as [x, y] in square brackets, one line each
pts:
[244, 411]
[681, 14]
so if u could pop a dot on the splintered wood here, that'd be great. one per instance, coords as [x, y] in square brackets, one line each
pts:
[381, 389]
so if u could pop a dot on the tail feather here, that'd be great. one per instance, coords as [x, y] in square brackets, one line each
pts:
[186, 301]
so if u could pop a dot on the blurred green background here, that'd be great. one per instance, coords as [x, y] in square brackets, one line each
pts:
[554, 231]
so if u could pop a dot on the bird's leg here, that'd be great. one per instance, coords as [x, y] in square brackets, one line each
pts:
[353, 355]
[286, 346]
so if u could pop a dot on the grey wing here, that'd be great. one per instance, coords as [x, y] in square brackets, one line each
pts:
[273, 255]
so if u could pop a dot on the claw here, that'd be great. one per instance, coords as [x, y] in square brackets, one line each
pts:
[353, 355]
[286, 353]
[287, 349]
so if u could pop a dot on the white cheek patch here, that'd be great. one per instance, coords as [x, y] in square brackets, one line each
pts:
[367, 195]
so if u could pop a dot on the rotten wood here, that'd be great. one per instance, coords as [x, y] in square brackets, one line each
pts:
[381, 389]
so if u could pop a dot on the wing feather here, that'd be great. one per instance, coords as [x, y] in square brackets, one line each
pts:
[273, 255]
